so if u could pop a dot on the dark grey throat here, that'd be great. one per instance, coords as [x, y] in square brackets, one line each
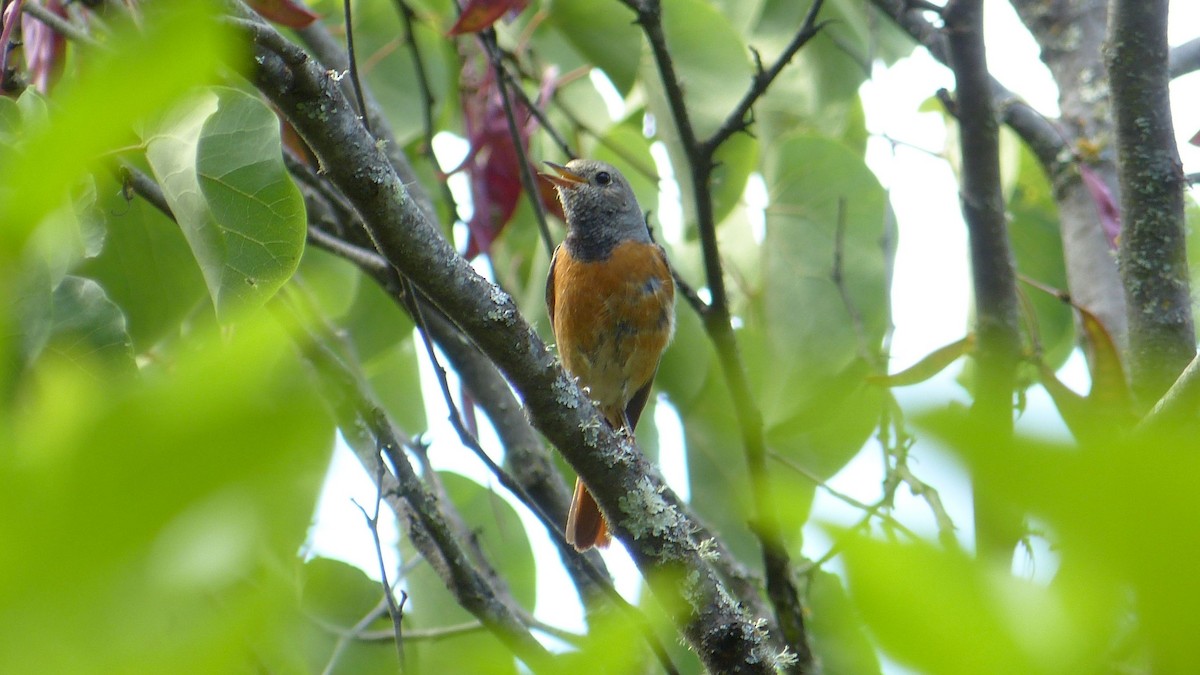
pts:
[589, 242]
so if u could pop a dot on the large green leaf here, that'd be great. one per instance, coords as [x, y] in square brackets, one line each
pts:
[146, 267]
[817, 91]
[839, 636]
[95, 110]
[604, 33]
[944, 613]
[1113, 512]
[713, 66]
[827, 210]
[218, 160]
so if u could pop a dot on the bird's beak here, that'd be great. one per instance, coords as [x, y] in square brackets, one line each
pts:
[565, 178]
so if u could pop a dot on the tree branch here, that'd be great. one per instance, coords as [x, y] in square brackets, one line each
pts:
[781, 586]
[997, 308]
[1153, 246]
[646, 514]
[1184, 59]
[372, 437]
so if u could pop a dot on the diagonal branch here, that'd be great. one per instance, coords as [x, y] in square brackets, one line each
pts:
[737, 119]
[647, 515]
[371, 435]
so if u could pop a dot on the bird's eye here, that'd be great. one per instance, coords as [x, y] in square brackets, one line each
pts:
[603, 178]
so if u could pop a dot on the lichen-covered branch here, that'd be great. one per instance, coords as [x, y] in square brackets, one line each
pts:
[1153, 249]
[647, 515]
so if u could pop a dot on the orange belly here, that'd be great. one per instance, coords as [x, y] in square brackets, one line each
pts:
[612, 321]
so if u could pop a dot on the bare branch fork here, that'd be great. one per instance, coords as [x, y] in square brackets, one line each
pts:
[781, 586]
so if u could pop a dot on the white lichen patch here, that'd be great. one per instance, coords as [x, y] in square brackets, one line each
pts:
[647, 513]
[784, 660]
[707, 550]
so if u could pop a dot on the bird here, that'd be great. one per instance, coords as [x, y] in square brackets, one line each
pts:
[611, 300]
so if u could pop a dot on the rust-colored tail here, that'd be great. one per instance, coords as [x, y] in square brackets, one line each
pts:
[585, 524]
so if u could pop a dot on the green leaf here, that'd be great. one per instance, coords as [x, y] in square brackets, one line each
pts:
[839, 636]
[95, 110]
[713, 66]
[819, 88]
[218, 161]
[941, 612]
[1037, 246]
[382, 335]
[146, 267]
[1106, 504]
[335, 596]
[499, 532]
[827, 209]
[604, 34]
[711, 61]
[88, 327]
[185, 487]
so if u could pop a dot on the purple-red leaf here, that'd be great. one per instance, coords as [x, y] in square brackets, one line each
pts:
[493, 165]
[285, 12]
[481, 14]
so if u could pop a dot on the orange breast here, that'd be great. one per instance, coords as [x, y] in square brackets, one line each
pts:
[612, 320]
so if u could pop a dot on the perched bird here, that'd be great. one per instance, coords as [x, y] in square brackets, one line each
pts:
[611, 302]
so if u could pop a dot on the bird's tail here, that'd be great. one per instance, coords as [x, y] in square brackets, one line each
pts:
[586, 526]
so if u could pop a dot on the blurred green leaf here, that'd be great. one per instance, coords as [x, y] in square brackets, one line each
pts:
[603, 33]
[1107, 504]
[827, 210]
[94, 112]
[819, 89]
[1037, 246]
[839, 636]
[88, 327]
[387, 65]
[941, 612]
[382, 335]
[332, 280]
[183, 487]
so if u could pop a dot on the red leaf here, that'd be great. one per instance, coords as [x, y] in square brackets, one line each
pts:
[493, 165]
[1106, 206]
[285, 12]
[480, 14]
[1195, 139]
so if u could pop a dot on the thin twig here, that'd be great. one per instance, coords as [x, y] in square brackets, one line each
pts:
[737, 119]
[427, 102]
[358, 91]
[345, 637]
[393, 608]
